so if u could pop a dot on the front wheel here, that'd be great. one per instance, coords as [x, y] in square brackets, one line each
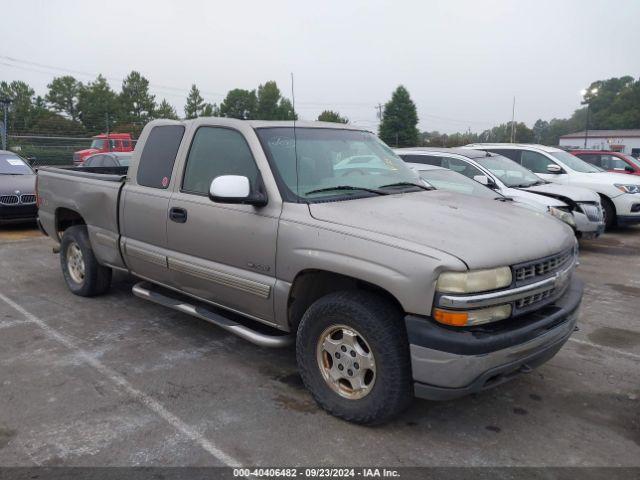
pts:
[609, 211]
[82, 272]
[353, 356]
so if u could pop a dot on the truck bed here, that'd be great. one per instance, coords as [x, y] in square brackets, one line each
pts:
[87, 195]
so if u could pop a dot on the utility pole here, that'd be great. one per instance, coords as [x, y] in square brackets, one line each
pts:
[513, 116]
[379, 108]
[107, 122]
[5, 106]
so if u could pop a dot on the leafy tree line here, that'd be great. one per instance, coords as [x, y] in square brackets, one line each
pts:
[615, 105]
[71, 107]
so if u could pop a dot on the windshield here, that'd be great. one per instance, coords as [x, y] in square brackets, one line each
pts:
[575, 163]
[455, 182]
[334, 162]
[13, 165]
[124, 160]
[512, 174]
[97, 144]
[633, 160]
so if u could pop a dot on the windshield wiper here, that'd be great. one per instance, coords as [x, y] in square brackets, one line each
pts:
[347, 187]
[504, 199]
[407, 184]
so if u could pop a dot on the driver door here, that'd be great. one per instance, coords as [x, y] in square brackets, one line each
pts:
[222, 253]
[539, 163]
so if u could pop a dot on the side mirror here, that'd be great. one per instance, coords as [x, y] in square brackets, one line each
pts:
[629, 169]
[553, 168]
[235, 189]
[484, 180]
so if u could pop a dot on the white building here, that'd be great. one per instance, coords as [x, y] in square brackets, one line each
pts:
[625, 141]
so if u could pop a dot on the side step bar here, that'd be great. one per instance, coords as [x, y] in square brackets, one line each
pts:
[149, 292]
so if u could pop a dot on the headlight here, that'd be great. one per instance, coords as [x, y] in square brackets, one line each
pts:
[474, 281]
[472, 317]
[627, 188]
[566, 217]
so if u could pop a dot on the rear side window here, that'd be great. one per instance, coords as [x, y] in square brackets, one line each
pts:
[217, 151]
[423, 159]
[159, 155]
[591, 158]
[507, 152]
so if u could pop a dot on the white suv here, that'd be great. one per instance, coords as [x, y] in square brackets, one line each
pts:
[620, 194]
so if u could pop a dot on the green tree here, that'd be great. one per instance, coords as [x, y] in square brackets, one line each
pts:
[268, 98]
[195, 103]
[98, 106]
[271, 105]
[137, 104]
[399, 126]
[210, 110]
[63, 95]
[240, 104]
[331, 116]
[165, 110]
[21, 112]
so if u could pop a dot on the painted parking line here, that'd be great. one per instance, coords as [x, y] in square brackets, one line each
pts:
[124, 385]
[623, 353]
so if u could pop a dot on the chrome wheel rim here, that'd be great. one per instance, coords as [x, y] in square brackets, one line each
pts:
[75, 262]
[346, 362]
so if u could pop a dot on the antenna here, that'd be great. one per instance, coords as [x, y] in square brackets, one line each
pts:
[295, 139]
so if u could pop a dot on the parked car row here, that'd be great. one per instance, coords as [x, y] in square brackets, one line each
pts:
[577, 207]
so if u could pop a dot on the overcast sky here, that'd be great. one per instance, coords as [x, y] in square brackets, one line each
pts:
[462, 61]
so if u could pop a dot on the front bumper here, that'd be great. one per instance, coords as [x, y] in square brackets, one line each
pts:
[627, 208]
[449, 363]
[17, 213]
[587, 228]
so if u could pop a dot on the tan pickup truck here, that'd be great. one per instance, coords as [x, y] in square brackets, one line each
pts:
[319, 234]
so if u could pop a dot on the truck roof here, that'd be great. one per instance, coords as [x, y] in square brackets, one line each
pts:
[465, 152]
[266, 123]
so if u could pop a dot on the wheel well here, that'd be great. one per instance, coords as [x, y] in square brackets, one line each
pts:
[66, 218]
[606, 199]
[310, 285]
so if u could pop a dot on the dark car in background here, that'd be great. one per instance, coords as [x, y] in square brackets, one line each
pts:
[610, 161]
[17, 189]
[111, 159]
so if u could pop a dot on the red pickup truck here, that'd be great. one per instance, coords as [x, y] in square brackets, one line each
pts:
[611, 161]
[112, 142]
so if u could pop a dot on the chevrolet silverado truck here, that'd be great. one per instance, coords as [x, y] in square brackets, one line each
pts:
[388, 288]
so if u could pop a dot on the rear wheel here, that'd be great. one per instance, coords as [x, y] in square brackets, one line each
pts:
[82, 272]
[609, 211]
[353, 356]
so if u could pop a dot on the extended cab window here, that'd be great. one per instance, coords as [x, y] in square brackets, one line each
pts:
[159, 155]
[217, 151]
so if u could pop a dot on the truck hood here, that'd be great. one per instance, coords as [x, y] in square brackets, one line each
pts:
[483, 233]
[562, 192]
[25, 184]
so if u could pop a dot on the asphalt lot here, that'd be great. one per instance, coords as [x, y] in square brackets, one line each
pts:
[115, 380]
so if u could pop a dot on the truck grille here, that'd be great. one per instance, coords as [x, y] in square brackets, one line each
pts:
[543, 267]
[592, 211]
[531, 299]
[9, 200]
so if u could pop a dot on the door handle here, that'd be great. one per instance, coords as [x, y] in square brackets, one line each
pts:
[178, 215]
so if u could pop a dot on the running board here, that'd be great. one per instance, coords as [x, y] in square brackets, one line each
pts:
[149, 292]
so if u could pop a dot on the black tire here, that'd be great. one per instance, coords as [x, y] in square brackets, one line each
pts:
[381, 324]
[609, 210]
[96, 279]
